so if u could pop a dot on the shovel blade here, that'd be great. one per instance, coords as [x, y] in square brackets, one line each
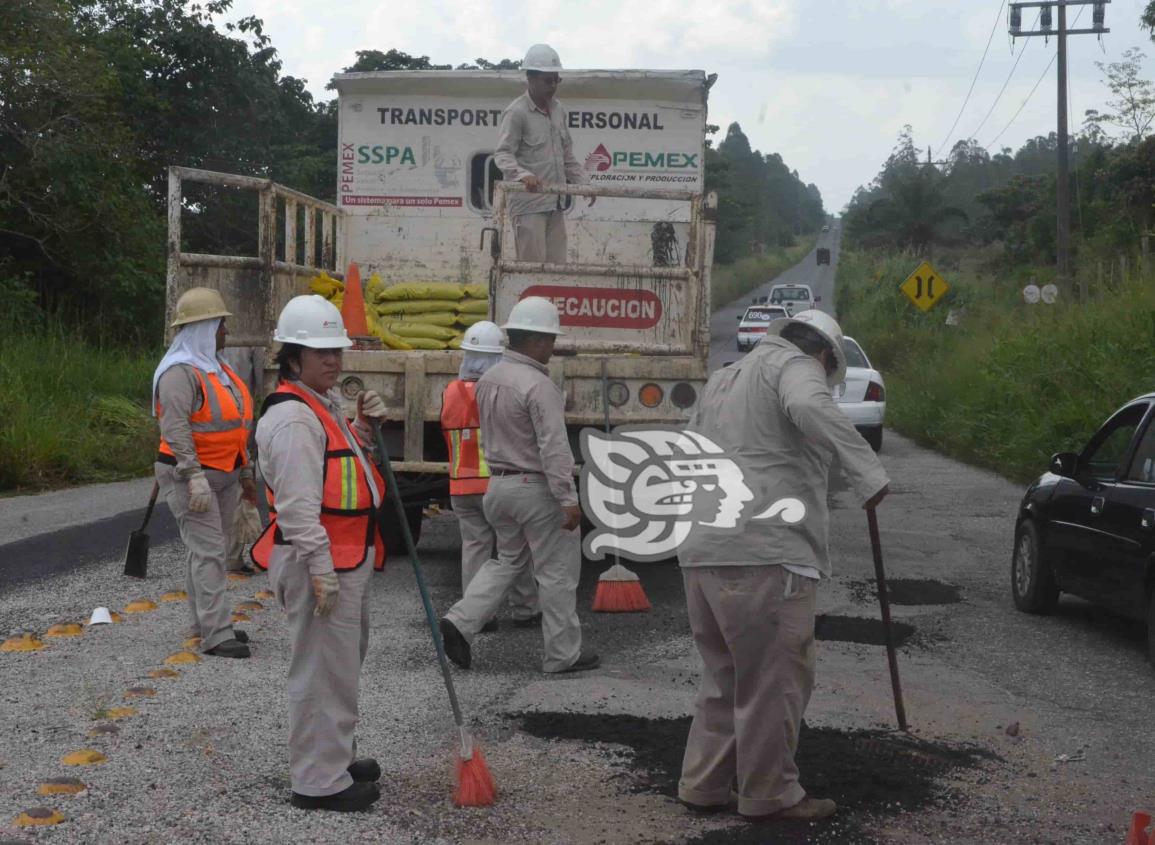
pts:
[136, 555]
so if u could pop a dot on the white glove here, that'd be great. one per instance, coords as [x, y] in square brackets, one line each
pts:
[325, 590]
[370, 406]
[200, 495]
[247, 523]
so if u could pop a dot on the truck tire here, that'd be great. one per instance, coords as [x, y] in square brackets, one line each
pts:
[873, 436]
[1151, 626]
[1033, 585]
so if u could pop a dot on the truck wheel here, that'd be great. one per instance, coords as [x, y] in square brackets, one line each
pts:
[1033, 585]
[873, 436]
[1151, 627]
[391, 531]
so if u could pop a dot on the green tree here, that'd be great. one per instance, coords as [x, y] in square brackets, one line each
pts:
[1132, 107]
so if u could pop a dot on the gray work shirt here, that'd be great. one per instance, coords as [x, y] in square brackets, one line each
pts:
[533, 141]
[774, 412]
[523, 423]
[291, 445]
[179, 393]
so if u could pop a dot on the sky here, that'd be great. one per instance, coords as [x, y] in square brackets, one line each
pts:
[827, 84]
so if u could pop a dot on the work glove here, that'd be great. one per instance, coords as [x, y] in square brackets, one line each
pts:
[370, 407]
[325, 590]
[200, 495]
[247, 522]
[248, 490]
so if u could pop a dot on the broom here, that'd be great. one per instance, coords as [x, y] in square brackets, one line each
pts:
[619, 589]
[474, 784]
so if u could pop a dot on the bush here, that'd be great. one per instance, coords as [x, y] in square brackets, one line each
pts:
[1013, 383]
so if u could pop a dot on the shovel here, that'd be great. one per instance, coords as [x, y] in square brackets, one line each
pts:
[884, 605]
[136, 555]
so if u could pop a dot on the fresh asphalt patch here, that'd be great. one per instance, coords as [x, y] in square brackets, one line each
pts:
[860, 629]
[871, 774]
[55, 553]
[908, 591]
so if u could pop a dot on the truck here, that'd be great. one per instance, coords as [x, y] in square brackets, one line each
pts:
[419, 199]
[823, 253]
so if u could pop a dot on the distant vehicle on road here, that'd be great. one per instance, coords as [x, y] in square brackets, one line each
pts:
[793, 298]
[863, 395]
[1087, 525]
[752, 325]
[823, 255]
[825, 228]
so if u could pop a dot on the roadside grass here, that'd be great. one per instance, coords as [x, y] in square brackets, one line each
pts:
[730, 281]
[1012, 383]
[74, 412]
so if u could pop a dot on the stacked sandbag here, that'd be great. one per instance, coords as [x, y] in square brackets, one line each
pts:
[414, 315]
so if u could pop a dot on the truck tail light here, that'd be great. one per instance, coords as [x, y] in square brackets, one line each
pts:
[650, 395]
[618, 393]
[875, 392]
[683, 395]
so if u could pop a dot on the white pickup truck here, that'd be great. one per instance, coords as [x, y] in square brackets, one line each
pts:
[417, 193]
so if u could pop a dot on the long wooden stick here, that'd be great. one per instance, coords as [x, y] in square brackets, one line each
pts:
[884, 603]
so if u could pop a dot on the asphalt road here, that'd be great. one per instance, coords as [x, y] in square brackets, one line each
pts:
[205, 761]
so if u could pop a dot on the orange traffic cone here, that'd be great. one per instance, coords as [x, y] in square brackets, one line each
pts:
[353, 305]
[1138, 833]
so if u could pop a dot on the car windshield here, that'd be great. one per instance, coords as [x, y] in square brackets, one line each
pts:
[790, 295]
[763, 315]
[855, 357]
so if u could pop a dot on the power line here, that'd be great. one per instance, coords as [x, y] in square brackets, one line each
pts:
[991, 110]
[1038, 82]
[967, 99]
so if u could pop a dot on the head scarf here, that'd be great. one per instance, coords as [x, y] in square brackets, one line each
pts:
[195, 344]
[474, 364]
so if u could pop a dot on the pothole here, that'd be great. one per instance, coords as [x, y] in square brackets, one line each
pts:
[869, 773]
[859, 629]
[908, 591]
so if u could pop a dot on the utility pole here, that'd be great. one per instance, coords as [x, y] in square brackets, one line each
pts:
[1063, 179]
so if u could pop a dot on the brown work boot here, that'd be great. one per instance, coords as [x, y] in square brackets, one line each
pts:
[808, 810]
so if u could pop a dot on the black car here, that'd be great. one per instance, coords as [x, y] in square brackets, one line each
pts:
[1087, 526]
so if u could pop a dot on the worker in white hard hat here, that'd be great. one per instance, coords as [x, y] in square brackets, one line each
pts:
[531, 502]
[323, 542]
[534, 147]
[750, 594]
[205, 414]
[469, 471]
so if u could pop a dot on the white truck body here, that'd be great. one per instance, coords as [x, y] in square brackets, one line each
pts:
[415, 197]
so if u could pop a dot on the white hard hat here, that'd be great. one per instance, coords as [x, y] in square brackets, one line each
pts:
[828, 328]
[482, 337]
[312, 321]
[542, 57]
[534, 314]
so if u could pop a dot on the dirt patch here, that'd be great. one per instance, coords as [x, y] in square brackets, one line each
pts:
[870, 774]
[859, 629]
[908, 591]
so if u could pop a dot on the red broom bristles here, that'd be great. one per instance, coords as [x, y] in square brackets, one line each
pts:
[475, 786]
[620, 591]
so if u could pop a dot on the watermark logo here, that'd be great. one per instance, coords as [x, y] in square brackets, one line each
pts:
[647, 488]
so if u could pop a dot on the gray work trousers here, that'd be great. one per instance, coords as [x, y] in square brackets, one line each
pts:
[527, 520]
[477, 545]
[324, 672]
[754, 628]
[540, 236]
[206, 537]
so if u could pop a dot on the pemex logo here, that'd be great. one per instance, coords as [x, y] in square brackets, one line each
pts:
[646, 488]
[600, 159]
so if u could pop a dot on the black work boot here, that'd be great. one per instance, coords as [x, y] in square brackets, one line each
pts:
[365, 771]
[359, 796]
[456, 646]
[229, 648]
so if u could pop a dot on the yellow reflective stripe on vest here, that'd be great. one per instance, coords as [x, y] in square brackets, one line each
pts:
[348, 483]
[482, 464]
[455, 456]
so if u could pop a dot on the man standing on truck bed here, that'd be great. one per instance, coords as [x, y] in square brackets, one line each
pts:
[531, 502]
[534, 147]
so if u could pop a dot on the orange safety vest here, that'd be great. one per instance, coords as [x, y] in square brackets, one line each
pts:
[461, 425]
[220, 430]
[347, 512]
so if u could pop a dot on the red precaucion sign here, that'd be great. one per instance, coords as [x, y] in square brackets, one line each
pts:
[610, 308]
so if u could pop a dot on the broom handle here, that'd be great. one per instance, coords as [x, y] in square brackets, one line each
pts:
[430, 616]
[884, 603]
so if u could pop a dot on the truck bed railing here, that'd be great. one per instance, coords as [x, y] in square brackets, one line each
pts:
[312, 241]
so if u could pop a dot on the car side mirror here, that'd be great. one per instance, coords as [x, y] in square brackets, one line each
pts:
[1065, 464]
[739, 318]
[818, 299]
